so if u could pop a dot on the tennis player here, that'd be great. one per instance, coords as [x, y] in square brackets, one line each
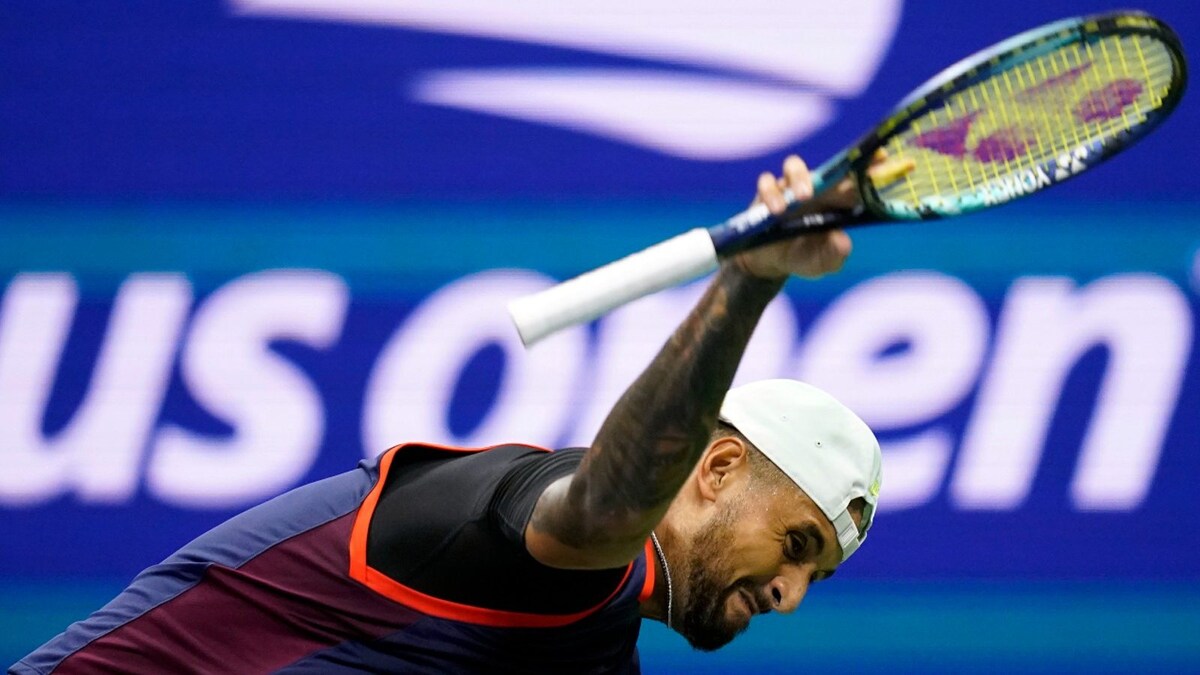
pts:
[695, 506]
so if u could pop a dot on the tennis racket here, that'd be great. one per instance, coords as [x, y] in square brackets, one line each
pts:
[1006, 122]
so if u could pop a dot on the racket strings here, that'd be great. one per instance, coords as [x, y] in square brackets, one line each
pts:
[1027, 117]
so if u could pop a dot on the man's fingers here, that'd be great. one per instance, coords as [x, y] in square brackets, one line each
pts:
[770, 194]
[831, 244]
[841, 244]
[835, 249]
[797, 177]
[815, 255]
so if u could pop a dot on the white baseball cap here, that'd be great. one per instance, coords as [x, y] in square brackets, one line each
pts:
[819, 443]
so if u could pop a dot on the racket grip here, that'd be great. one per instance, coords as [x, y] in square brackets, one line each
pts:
[589, 295]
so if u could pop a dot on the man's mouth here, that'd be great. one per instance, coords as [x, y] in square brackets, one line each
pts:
[748, 600]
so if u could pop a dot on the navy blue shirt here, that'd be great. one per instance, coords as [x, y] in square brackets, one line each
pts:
[412, 563]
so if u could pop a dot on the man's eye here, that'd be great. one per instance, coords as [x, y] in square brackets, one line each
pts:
[795, 546]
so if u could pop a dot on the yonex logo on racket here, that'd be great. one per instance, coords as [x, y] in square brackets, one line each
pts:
[1031, 180]
[1015, 185]
[1070, 163]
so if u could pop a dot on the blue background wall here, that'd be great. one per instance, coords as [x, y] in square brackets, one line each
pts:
[240, 249]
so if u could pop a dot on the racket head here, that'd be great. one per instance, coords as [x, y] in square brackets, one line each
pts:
[1025, 114]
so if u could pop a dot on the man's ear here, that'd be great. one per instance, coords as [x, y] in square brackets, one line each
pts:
[723, 461]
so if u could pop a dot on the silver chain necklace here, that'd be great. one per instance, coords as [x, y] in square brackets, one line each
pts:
[666, 572]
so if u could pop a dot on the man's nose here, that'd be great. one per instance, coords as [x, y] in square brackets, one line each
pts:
[787, 590]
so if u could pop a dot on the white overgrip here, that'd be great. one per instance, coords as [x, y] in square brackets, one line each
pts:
[594, 293]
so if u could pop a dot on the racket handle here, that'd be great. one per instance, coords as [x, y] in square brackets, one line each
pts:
[589, 295]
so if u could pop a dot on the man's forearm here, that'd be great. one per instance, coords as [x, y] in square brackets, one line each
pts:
[651, 440]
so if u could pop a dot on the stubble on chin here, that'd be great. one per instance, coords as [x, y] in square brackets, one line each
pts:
[705, 623]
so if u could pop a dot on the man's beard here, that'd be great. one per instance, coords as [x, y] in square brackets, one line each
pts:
[705, 625]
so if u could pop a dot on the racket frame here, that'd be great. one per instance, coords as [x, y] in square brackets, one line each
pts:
[757, 226]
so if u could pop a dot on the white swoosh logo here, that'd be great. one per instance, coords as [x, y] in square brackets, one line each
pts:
[810, 52]
[668, 112]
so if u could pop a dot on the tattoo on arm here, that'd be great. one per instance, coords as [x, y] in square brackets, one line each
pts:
[655, 433]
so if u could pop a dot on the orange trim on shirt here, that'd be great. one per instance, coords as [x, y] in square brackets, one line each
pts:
[393, 590]
[651, 572]
[446, 609]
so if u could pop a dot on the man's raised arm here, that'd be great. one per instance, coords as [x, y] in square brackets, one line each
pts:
[600, 516]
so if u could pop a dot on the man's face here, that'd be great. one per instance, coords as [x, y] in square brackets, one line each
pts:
[758, 553]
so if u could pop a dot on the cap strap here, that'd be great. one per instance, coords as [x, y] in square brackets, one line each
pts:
[847, 533]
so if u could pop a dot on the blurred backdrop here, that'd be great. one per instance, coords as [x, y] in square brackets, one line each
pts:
[246, 243]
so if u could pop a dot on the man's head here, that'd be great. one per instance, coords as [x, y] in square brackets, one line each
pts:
[786, 469]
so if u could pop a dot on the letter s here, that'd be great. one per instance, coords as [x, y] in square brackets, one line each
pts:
[275, 411]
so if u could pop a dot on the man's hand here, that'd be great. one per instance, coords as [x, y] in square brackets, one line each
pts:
[809, 256]
[818, 254]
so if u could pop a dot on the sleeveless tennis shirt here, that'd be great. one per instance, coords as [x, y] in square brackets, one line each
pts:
[414, 562]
